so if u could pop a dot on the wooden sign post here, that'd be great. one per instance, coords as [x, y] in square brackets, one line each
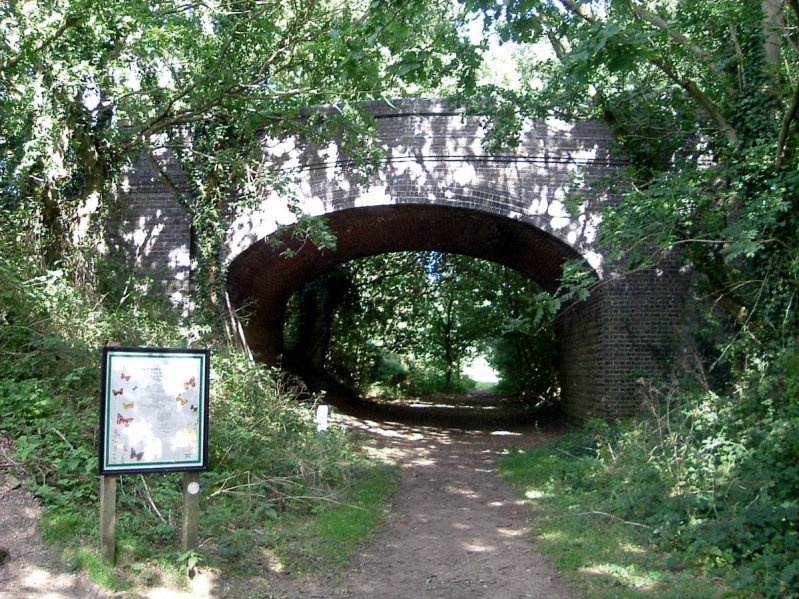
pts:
[191, 511]
[153, 418]
[108, 517]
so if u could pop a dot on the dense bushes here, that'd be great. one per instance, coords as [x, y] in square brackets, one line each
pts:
[713, 479]
[266, 459]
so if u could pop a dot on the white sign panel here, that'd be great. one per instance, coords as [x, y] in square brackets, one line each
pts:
[154, 411]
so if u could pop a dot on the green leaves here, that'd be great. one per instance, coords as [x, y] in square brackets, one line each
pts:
[85, 86]
[411, 321]
[698, 101]
[611, 45]
[693, 478]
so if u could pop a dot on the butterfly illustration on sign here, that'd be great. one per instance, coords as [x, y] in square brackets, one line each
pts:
[180, 400]
[122, 420]
[115, 392]
[128, 406]
[125, 377]
[193, 408]
[136, 455]
[192, 382]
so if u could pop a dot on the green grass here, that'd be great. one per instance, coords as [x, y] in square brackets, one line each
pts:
[326, 541]
[321, 539]
[604, 557]
[98, 569]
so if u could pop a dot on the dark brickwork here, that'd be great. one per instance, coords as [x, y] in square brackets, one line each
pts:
[259, 274]
[582, 363]
[641, 322]
[438, 190]
[153, 230]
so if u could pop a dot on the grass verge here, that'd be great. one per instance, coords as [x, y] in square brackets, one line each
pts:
[319, 539]
[604, 557]
[326, 541]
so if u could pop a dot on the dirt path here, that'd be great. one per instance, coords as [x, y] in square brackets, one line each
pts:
[456, 530]
[28, 568]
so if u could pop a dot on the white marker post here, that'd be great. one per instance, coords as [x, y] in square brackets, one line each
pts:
[321, 417]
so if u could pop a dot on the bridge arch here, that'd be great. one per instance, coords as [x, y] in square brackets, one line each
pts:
[532, 208]
[433, 155]
[261, 280]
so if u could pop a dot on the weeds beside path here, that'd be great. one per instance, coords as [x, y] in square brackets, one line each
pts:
[454, 530]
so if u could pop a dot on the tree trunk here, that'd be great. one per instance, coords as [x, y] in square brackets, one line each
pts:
[772, 16]
[318, 305]
[54, 235]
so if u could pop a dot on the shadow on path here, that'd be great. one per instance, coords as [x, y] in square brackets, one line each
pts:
[455, 529]
[478, 410]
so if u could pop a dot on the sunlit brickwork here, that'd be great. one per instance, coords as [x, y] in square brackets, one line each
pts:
[532, 208]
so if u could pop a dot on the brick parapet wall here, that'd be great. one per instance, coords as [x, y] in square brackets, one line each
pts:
[642, 319]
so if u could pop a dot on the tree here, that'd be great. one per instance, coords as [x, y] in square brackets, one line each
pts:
[421, 315]
[457, 321]
[85, 86]
[703, 97]
[524, 353]
[312, 313]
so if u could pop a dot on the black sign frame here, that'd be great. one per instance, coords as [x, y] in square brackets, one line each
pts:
[152, 377]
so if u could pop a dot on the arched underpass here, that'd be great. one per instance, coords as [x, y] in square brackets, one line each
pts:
[262, 280]
[438, 190]
[532, 208]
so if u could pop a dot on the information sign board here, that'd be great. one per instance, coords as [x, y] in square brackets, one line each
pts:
[154, 410]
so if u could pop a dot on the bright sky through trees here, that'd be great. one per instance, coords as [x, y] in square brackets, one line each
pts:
[480, 370]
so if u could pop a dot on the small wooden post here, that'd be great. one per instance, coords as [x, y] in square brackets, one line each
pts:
[108, 517]
[191, 511]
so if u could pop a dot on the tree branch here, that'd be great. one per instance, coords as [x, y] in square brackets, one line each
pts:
[154, 126]
[580, 10]
[697, 94]
[678, 37]
[694, 91]
[739, 53]
[660, 23]
[166, 180]
[560, 51]
[68, 23]
[790, 114]
[163, 120]
[598, 513]
[397, 273]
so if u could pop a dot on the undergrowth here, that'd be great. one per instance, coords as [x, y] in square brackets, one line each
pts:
[269, 469]
[699, 497]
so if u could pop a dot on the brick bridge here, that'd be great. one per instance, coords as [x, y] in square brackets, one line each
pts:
[438, 190]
